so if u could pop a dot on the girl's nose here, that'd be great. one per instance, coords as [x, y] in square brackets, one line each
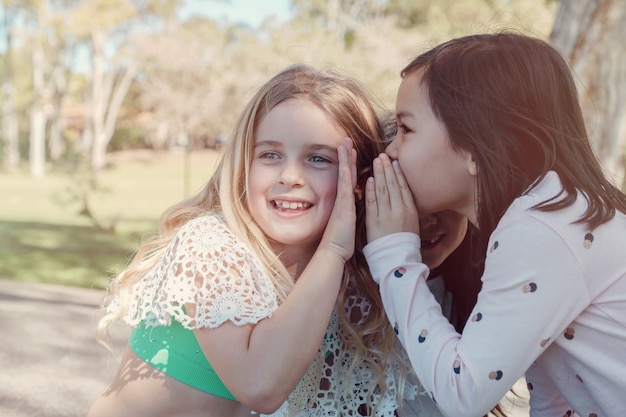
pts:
[391, 150]
[291, 175]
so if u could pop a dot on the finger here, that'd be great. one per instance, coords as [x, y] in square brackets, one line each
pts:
[353, 159]
[344, 165]
[380, 185]
[346, 181]
[393, 187]
[405, 190]
[354, 168]
[371, 206]
[371, 210]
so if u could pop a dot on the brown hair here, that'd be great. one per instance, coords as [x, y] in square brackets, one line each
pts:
[510, 100]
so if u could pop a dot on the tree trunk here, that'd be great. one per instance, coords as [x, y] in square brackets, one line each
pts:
[108, 93]
[98, 147]
[590, 35]
[37, 153]
[10, 126]
[10, 129]
[120, 89]
[56, 142]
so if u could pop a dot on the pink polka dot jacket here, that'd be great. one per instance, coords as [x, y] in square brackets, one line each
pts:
[552, 308]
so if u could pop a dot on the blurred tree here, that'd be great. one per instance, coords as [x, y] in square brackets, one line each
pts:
[373, 40]
[63, 49]
[44, 39]
[192, 100]
[10, 126]
[188, 80]
[103, 23]
[107, 25]
[182, 97]
[591, 35]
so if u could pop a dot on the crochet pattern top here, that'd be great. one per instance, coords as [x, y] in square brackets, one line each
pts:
[210, 266]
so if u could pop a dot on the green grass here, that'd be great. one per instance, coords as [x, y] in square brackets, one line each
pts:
[44, 239]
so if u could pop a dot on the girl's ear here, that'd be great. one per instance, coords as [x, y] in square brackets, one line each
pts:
[472, 168]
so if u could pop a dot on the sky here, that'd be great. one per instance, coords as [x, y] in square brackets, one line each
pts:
[251, 12]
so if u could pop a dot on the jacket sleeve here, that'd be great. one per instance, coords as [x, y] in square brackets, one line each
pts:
[546, 400]
[519, 312]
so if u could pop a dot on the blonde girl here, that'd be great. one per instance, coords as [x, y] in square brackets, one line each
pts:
[255, 296]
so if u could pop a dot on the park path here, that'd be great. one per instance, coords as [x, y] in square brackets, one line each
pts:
[50, 362]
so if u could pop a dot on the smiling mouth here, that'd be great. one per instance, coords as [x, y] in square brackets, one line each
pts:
[429, 243]
[284, 205]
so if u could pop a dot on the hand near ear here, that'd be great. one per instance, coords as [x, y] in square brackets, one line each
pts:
[388, 201]
[341, 228]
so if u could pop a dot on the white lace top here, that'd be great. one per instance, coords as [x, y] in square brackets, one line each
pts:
[196, 268]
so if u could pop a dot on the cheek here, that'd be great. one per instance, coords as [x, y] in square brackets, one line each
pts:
[447, 247]
[255, 188]
[453, 239]
[327, 193]
[414, 165]
[414, 178]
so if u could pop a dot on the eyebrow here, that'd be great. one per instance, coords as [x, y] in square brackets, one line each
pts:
[317, 147]
[311, 146]
[267, 143]
[405, 114]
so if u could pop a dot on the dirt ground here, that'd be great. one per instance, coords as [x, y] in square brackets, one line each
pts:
[50, 362]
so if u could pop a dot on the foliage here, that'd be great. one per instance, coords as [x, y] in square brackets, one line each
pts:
[193, 76]
[80, 191]
[43, 241]
[62, 254]
[128, 137]
[192, 79]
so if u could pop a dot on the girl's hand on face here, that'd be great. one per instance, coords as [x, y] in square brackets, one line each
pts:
[340, 231]
[389, 203]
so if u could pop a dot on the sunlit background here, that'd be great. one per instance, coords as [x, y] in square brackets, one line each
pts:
[112, 110]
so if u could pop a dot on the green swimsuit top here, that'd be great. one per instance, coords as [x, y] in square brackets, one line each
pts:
[175, 351]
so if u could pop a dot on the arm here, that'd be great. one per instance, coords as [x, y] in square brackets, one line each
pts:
[262, 363]
[520, 311]
[546, 400]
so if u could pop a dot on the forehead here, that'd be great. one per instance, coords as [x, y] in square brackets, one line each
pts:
[412, 88]
[296, 118]
[298, 121]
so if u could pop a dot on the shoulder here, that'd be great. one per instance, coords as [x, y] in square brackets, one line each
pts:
[208, 231]
[209, 239]
[213, 223]
[561, 221]
[542, 190]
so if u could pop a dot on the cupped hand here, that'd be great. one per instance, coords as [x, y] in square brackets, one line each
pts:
[389, 203]
[339, 235]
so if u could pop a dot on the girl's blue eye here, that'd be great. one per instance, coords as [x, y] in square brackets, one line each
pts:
[319, 158]
[268, 155]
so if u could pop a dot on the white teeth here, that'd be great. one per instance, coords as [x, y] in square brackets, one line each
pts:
[291, 205]
[432, 241]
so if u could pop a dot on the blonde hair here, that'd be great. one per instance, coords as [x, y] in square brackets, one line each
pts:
[354, 111]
